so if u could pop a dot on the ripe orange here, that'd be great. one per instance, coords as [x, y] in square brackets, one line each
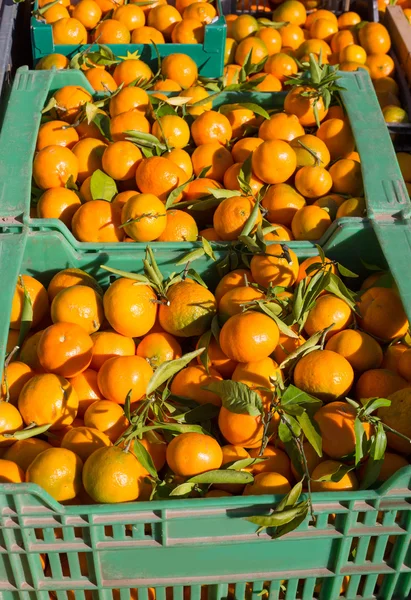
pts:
[190, 454]
[69, 100]
[310, 151]
[292, 36]
[236, 278]
[100, 80]
[53, 166]
[328, 309]
[147, 35]
[231, 215]
[39, 300]
[188, 31]
[312, 459]
[327, 467]
[323, 29]
[396, 416]
[391, 463]
[303, 106]
[58, 203]
[310, 223]
[324, 374]
[243, 27]
[281, 126]
[112, 475]
[10, 421]
[164, 18]
[267, 483]
[179, 227]
[274, 161]
[86, 387]
[189, 310]
[274, 267]
[108, 417]
[65, 349]
[68, 278]
[195, 94]
[130, 309]
[281, 201]
[253, 45]
[89, 154]
[212, 155]
[58, 472]
[276, 461]
[348, 19]
[56, 133]
[59, 61]
[266, 82]
[336, 423]
[392, 355]
[374, 38]
[88, 12]
[192, 382]
[157, 348]
[361, 350]
[132, 70]
[172, 130]
[202, 11]
[98, 221]
[80, 305]
[331, 203]
[107, 344]
[123, 374]
[180, 68]
[69, 31]
[281, 66]
[337, 136]
[111, 31]
[121, 159]
[234, 301]
[313, 182]
[159, 176]
[216, 358]
[211, 126]
[130, 15]
[146, 216]
[241, 429]
[249, 336]
[129, 98]
[378, 383]
[182, 159]
[347, 177]
[23, 452]
[83, 441]
[132, 120]
[15, 376]
[291, 11]
[271, 38]
[382, 314]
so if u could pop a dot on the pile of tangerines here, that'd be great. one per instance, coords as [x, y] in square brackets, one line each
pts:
[281, 373]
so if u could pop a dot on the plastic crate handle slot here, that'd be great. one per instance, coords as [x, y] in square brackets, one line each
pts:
[12, 247]
[383, 183]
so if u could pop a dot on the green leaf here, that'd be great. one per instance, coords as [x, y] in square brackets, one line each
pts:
[126, 409]
[102, 187]
[291, 498]
[311, 432]
[287, 433]
[339, 289]
[222, 194]
[183, 490]
[380, 442]
[280, 324]
[208, 249]
[277, 519]
[192, 274]
[345, 272]
[144, 458]
[190, 256]
[293, 395]
[244, 463]
[291, 526]
[374, 404]
[338, 474]
[238, 397]
[359, 440]
[258, 110]
[204, 342]
[29, 432]
[169, 369]
[201, 413]
[26, 315]
[174, 194]
[223, 476]
[102, 123]
[251, 221]
[215, 328]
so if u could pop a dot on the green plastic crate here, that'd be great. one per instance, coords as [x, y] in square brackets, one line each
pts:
[209, 56]
[385, 190]
[177, 546]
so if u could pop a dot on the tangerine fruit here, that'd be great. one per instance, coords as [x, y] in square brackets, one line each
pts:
[190, 454]
[324, 374]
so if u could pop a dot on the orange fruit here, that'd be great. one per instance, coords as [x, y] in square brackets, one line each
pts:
[392, 355]
[274, 267]
[69, 101]
[23, 452]
[202, 11]
[182, 159]
[241, 429]
[58, 203]
[243, 27]
[83, 441]
[281, 66]
[58, 472]
[257, 374]
[233, 302]
[274, 161]
[164, 18]
[353, 53]
[310, 223]
[292, 36]
[172, 130]
[15, 376]
[354, 207]
[404, 364]
[337, 136]
[324, 374]
[313, 182]
[145, 224]
[211, 126]
[342, 39]
[265, 82]
[108, 417]
[190, 454]
[287, 345]
[180, 68]
[236, 278]
[53, 166]
[310, 151]
[303, 106]
[302, 273]
[323, 29]
[112, 475]
[98, 221]
[123, 374]
[331, 203]
[361, 350]
[271, 38]
[130, 15]
[56, 133]
[379, 383]
[69, 31]
[132, 70]
[179, 227]
[147, 35]
[100, 80]
[59, 61]
[276, 461]
[374, 38]
[89, 154]
[88, 12]
[216, 358]
[347, 177]
[192, 382]
[315, 46]
[48, 398]
[391, 463]
[267, 483]
[249, 336]
[347, 483]
[188, 31]
[65, 349]
[80, 305]
[217, 494]
[111, 31]
[380, 65]
[157, 348]
[39, 301]
[281, 201]
[328, 310]
[394, 114]
[10, 422]
[159, 176]
[382, 314]
[312, 459]
[281, 126]
[129, 98]
[121, 159]
[336, 423]
[291, 11]
[189, 310]
[212, 155]
[240, 119]
[130, 309]
[196, 93]
[209, 234]
[107, 344]
[86, 387]
[231, 215]
[28, 354]
[348, 19]
[396, 417]
[132, 120]
[253, 46]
